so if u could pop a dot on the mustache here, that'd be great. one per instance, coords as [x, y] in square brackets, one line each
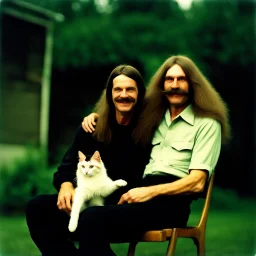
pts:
[125, 100]
[176, 91]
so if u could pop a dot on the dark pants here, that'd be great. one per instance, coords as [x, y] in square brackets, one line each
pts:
[98, 225]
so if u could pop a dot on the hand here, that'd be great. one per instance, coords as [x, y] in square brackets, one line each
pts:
[89, 122]
[66, 197]
[137, 195]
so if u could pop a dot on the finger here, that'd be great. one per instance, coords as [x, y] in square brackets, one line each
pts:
[84, 126]
[62, 206]
[92, 129]
[62, 203]
[122, 199]
[90, 125]
[92, 121]
[68, 204]
[59, 204]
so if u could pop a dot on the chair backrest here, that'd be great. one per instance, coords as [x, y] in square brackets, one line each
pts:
[204, 215]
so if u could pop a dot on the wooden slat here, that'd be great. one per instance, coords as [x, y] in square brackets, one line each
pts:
[154, 236]
[168, 232]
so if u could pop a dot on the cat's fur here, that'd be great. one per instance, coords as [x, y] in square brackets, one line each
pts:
[93, 184]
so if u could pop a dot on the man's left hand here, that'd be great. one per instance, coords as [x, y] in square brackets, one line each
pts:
[137, 195]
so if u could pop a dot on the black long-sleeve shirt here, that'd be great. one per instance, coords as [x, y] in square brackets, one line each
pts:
[121, 157]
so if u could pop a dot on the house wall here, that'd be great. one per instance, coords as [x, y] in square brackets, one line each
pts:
[22, 64]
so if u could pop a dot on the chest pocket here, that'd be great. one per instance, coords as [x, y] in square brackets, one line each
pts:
[180, 151]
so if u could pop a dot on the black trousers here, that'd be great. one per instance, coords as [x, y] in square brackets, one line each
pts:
[98, 225]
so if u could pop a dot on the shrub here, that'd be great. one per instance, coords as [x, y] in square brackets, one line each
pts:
[26, 177]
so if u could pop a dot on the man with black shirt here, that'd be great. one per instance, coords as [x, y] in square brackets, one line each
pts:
[120, 104]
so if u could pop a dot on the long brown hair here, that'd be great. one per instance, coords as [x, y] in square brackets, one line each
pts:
[105, 106]
[205, 100]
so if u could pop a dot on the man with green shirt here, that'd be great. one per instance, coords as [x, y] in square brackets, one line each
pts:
[186, 121]
[175, 150]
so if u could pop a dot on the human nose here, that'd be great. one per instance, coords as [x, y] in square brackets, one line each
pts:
[123, 93]
[175, 83]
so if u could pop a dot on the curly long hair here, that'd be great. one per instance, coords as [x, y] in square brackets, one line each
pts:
[105, 106]
[205, 100]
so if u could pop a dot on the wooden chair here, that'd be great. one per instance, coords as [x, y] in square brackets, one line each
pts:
[197, 233]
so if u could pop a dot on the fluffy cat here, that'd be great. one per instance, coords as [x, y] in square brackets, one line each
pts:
[93, 184]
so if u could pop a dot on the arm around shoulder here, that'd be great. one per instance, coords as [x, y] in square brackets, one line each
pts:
[89, 122]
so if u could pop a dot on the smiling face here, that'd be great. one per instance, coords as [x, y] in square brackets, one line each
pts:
[124, 95]
[176, 87]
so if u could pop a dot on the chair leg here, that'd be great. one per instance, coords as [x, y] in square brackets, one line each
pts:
[200, 246]
[172, 243]
[131, 249]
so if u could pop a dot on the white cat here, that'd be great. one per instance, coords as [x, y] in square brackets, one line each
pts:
[93, 184]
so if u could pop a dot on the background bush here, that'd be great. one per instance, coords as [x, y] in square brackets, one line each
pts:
[25, 178]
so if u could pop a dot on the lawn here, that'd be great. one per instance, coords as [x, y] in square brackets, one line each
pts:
[229, 233]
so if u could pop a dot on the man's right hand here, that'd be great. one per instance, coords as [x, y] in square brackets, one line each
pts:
[89, 122]
[66, 197]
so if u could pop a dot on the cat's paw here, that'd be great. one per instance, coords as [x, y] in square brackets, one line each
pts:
[72, 226]
[121, 183]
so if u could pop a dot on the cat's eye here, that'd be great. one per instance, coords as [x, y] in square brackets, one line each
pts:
[91, 166]
[83, 166]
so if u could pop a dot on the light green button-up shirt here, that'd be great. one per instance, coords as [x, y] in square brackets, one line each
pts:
[188, 142]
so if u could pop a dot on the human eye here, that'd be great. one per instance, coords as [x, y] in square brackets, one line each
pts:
[131, 89]
[169, 79]
[182, 79]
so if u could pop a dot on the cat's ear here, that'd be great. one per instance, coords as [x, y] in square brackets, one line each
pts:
[82, 157]
[96, 156]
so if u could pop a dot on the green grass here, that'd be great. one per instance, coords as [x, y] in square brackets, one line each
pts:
[229, 233]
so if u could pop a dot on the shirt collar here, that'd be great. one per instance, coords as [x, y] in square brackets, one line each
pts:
[187, 115]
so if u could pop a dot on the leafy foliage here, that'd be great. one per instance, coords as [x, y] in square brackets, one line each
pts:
[23, 179]
[151, 30]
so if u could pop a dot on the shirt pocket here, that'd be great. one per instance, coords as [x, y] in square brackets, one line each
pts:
[181, 151]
